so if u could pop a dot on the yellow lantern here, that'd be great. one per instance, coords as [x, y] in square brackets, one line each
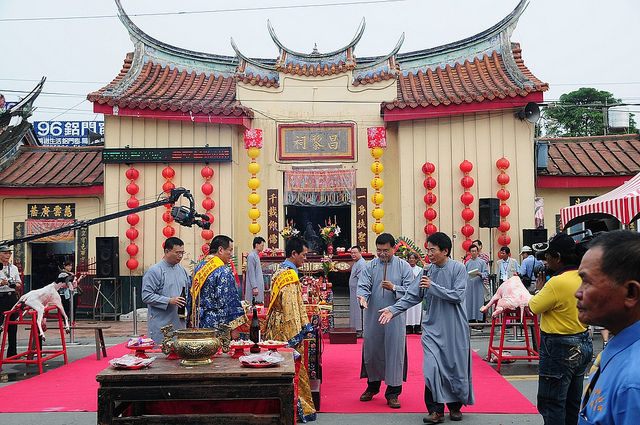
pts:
[254, 168]
[253, 153]
[377, 167]
[254, 183]
[254, 199]
[377, 213]
[377, 228]
[376, 152]
[254, 213]
[254, 228]
[377, 183]
[377, 198]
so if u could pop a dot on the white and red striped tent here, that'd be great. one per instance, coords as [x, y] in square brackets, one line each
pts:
[622, 203]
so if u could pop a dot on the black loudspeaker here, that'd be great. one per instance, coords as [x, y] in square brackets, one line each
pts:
[107, 257]
[489, 212]
[531, 236]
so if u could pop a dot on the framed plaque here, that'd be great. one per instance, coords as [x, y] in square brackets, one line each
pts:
[316, 141]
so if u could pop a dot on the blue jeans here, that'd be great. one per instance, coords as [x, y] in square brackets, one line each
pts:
[562, 365]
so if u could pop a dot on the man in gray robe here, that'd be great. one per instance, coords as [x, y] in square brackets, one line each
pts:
[254, 282]
[445, 332]
[355, 312]
[383, 281]
[475, 288]
[162, 287]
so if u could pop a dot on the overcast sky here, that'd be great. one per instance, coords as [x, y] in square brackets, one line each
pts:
[80, 45]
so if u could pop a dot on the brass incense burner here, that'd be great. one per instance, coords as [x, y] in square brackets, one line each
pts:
[195, 347]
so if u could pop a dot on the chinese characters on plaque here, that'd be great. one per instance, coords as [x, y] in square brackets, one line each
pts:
[362, 236]
[319, 141]
[272, 218]
[18, 249]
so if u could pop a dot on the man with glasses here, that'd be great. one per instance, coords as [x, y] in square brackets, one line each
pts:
[162, 287]
[383, 281]
[212, 299]
[445, 332]
[10, 285]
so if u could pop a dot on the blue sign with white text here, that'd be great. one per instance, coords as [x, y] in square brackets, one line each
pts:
[67, 133]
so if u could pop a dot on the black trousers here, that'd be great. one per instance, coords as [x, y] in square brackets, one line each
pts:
[8, 300]
[433, 406]
[389, 393]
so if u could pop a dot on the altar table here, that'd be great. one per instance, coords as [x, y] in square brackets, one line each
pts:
[224, 380]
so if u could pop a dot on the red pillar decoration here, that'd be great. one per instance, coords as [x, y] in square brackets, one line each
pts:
[467, 198]
[132, 233]
[430, 198]
[208, 204]
[168, 173]
[503, 194]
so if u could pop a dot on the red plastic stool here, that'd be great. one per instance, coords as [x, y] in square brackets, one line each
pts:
[528, 319]
[34, 354]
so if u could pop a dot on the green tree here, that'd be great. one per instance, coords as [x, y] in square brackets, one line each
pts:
[581, 113]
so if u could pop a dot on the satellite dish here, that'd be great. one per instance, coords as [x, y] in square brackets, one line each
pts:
[531, 113]
[93, 136]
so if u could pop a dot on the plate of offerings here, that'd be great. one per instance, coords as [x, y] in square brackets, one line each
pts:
[268, 359]
[131, 362]
[272, 345]
[239, 347]
[140, 344]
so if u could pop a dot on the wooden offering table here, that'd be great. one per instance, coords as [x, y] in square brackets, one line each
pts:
[128, 396]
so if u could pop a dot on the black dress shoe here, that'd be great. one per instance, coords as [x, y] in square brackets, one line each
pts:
[455, 416]
[367, 396]
[393, 403]
[433, 418]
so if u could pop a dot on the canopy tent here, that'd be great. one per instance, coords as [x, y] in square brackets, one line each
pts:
[622, 203]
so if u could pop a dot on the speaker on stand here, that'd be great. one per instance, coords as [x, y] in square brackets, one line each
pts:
[107, 282]
[531, 236]
[489, 217]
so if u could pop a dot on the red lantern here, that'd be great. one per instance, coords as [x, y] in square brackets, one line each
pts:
[504, 240]
[428, 168]
[207, 234]
[208, 203]
[168, 231]
[504, 210]
[467, 214]
[205, 248]
[132, 188]
[132, 174]
[430, 214]
[431, 229]
[503, 163]
[429, 183]
[206, 172]
[467, 182]
[133, 219]
[430, 198]
[466, 166]
[207, 188]
[166, 217]
[503, 194]
[210, 216]
[503, 178]
[168, 186]
[132, 203]
[132, 249]
[376, 137]
[132, 264]
[467, 230]
[504, 226]
[466, 244]
[132, 233]
[168, 173]
[466, 198]
[253, 138]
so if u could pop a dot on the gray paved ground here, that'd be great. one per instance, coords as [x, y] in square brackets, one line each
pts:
[521, 374]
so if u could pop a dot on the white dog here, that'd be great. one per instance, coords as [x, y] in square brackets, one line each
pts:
[39, 299]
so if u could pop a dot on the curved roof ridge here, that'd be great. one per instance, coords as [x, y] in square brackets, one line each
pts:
[316, 55]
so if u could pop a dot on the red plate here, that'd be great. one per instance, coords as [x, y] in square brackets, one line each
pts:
[247, 345]
[140, 347]
[272, 346]
[245, 364]
[134, 367]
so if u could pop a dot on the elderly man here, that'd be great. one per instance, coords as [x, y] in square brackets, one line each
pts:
[565, 343]
[384, 280]
[10, 285]
[609, 296]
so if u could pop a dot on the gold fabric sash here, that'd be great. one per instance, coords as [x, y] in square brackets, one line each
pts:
[282, 279]
[201, 276]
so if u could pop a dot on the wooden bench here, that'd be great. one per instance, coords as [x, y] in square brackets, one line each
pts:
[100, 346]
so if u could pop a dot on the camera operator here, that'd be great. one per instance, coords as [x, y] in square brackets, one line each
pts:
[565, 343]
[10, 285]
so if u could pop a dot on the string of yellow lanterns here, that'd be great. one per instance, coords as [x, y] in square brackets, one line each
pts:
[132, 219]
[503, 194]
[253, 144]
[377, 141]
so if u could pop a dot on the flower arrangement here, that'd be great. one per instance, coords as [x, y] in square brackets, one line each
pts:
[330, 231]
[327, 264]
[405, 246]
[288, 231]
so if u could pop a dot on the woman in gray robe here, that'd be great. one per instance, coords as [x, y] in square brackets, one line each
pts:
[445, 331]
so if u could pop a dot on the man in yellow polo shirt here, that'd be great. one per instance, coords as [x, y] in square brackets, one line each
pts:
[565, 343]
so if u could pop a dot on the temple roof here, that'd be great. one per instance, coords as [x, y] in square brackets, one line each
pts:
[47, 166]
[485, 70]
[593, 156]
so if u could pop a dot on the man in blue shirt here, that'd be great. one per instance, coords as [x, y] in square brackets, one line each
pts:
[526, 268]
[609, 296]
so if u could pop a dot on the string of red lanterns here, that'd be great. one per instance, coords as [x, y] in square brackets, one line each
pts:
[168, 173]
[377, 141]
[430, 198]
[132, 233]
[467, 199]
[503, 194]
[207, 204]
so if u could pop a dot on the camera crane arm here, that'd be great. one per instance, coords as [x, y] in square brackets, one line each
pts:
[185, 216]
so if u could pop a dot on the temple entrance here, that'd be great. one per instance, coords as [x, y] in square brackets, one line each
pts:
[309, 220]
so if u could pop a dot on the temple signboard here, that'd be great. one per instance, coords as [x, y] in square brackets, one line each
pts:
[317, 141]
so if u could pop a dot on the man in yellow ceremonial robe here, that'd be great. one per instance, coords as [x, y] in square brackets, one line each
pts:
[287, 319]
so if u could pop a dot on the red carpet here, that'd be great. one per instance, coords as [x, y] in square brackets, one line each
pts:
[73, 388]
[342, 386]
